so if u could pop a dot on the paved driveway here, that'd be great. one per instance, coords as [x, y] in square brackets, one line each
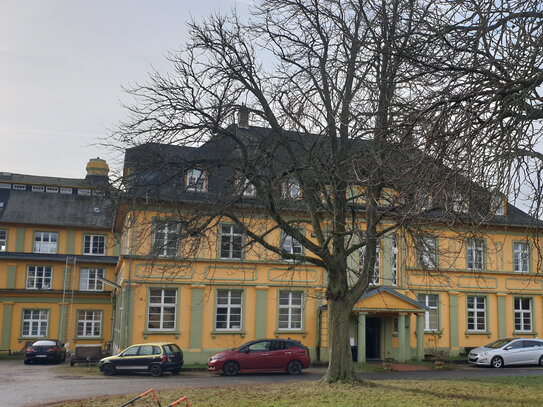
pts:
[25, 386]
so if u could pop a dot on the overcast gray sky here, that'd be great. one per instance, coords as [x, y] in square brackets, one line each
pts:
[62, 65]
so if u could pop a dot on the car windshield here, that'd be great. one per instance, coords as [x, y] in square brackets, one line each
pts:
[44, 343]
[499, 343]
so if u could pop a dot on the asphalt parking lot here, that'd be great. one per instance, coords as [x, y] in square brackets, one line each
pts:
[35, 385]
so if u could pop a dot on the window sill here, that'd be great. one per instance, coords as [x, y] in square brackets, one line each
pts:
[469, 333]
[290, 331]
[89, 338]
[515, 333]
[230, 332]
[165, 332]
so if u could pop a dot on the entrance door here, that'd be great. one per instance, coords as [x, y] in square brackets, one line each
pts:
[373, 338]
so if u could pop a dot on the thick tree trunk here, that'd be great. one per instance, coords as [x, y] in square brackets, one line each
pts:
[340, 367]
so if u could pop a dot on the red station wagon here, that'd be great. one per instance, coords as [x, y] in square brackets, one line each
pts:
[265, 355]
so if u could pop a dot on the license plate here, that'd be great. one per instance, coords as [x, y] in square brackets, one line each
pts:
[41, 356]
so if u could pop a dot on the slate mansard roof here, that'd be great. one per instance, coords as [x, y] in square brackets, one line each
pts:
[155, 170]
[80, 206]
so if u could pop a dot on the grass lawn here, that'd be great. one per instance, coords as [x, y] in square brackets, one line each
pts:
[515, 391]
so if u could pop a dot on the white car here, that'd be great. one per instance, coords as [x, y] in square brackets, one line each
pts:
[508, 351]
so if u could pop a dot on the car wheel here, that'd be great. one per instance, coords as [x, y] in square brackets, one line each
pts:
[230, 368]
[27, 362]
[541, 361]
[155, 370]
[108, 369]
[294, 367]
[176, 371]
[496, 362]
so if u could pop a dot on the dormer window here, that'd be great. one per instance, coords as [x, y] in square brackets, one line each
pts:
[497, 205]
[247, 188]
[423, 201]
[196, 181]
[460, 203]
[292, 190]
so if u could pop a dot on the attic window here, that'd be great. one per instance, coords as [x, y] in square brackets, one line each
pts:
[5, 186]
[423, 201]
[291, 189]
[65, 190]
[37, 188]
[83, 191]
[196, 181]
[498, 205]
[96, 210]
[51, 190]
[19, 187]
[460, 203]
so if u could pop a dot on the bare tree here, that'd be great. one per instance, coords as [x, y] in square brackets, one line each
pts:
[363, 111]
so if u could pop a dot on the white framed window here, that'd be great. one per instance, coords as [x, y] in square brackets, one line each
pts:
[19, 187]
[85, 192]
[376, 275]
[45, 242]
[423, 201]
[89, 279]
[427, 252]
[247, 188]
[523, 314]
[196, 180]
[231, 242]
[475, 254]
[520, 257]
[228, 310]
[51, 190]
[460, 203]
[39, 277]
[94, 245]
[291, 189]
[162, 310]
[89, 323]
[38, 188]
[476, 307]
[290, 310]
[65, 190]
[35, 322]
[431, 317]
[165, 239]
[3, 240]
[291, 245]
[497, 205]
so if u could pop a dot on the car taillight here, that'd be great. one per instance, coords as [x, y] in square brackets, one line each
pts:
[52, 350]
[164, 358]
[30, 350]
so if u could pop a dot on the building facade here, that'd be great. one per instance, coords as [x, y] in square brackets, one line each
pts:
[77, 265]
[55, 246]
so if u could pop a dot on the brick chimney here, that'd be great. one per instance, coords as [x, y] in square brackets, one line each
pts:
[243, 117]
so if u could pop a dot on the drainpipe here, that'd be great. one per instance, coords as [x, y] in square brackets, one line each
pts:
[127, 294]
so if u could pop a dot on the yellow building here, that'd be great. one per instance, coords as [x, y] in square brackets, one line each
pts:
[449, 291]
[59, 259]
[55, 246]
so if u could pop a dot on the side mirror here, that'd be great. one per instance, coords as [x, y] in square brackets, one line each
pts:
[509, 348]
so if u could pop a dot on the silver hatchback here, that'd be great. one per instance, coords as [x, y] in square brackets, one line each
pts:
[508, 351]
